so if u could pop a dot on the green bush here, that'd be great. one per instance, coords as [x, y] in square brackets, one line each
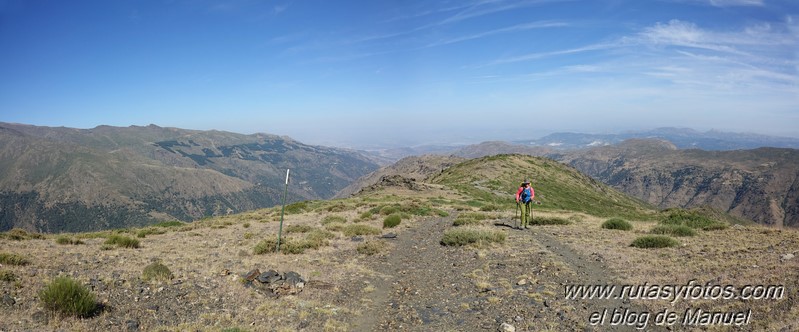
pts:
[674, 230]
[617, 223]
[390, 209]
[19, 234]
[7, 276]
[359, 229]
[298, 229]
[64, 239]
[122, 241]
[296, 208]
[68, 297]
[490, 207]
[333, 218]
[156, 272]
[654, 241]
[392, 221]
[13, 259]
[540, 221]
[150, 231]
[692, 219]
[173, 223]
[366, 215]
[471, 235]
[371, 247]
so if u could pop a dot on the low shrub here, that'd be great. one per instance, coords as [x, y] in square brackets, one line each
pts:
[472, 235]
[13, 259]
[64, 239]
[298, 229]
[68, 297]
[122, 241]
[295, 208]
[313, 240]
[674, 230]
[359, 229]
[389, 209]
[150, 231]
[617, 223]
[692, 219]
[541, 221]
[156, 272]
[392, 221]
[366, 215]
[7, 276]
[490, 207]
[19, 234]
[333, 218]
[371, 247]
[173, 223]
[654, 241]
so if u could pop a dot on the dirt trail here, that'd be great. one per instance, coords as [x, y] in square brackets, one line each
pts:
[425, 286]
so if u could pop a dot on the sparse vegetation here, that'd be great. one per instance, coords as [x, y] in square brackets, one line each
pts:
[122, 241]
[469, 219]
[692, 218]
[296, 208]
[68, 297]
[313, 240]
[19, 234]
[371, 247]
[541, 221]
[167, 224]
[65, 240]
[156, 271]
[617, 223]
[332, 219]
[150, 231]
[298, 229]
[392, 221]
[13, 259]
[7, 276]
[359, 229]
[654, 241]
[674, 230]
[472, 235]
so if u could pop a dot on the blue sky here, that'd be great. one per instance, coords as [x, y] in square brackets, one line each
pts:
[357, 73]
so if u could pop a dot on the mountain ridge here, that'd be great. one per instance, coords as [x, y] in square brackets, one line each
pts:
[131, 176]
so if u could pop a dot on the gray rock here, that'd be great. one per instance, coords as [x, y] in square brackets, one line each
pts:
[787, 256]
[505, 327]
[40, 318]
[293, 278]
[357, 239]
[269, 277]
[132, 325]
[389, 236]
[8, 300]
[250, 276]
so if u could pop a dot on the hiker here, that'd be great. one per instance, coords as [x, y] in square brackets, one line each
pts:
[524, 196]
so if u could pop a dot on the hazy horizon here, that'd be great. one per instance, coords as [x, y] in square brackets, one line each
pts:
[356, 73]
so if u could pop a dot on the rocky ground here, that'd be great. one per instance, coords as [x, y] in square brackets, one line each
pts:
[413, 283]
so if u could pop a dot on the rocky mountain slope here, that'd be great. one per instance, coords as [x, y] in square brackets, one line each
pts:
[760, 184]
[217, 274]
[408, 168]
[65, 179]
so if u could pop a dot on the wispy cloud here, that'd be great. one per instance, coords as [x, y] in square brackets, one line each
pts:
[515, 28]
[487, 7]
[730, 3]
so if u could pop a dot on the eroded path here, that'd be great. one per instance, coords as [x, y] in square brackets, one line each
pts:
[425, 286]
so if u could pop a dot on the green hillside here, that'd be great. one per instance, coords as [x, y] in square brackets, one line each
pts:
[494, 180]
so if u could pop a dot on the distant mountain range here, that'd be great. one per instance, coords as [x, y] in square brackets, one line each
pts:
[65, 179]
[683, 138]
